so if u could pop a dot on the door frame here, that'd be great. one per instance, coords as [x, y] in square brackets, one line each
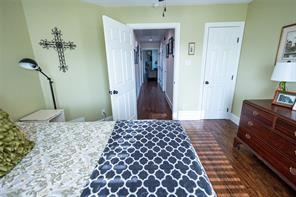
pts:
[241, 25]
[176, 27]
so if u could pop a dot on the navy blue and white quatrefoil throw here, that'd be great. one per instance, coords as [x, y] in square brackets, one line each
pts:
[148, 158]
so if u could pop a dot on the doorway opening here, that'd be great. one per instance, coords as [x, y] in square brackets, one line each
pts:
[123, 53]
[154, 72]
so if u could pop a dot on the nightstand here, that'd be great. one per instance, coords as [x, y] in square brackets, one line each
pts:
[45, 115]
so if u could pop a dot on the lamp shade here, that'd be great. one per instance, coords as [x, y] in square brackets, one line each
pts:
[28, 64]
[284, 71]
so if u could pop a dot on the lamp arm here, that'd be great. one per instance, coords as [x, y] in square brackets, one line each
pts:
[51, 88]
[39, 69]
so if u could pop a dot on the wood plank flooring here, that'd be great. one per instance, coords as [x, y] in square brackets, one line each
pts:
[232, 172]
[152, 103]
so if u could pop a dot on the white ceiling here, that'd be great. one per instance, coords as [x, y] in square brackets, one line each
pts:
[169, 2]
[146, 35]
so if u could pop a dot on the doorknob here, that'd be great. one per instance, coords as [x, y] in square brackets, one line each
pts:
[206, 82]
[113, 92]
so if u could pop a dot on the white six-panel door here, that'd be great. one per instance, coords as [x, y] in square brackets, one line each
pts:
[120, 60]
[223, 45]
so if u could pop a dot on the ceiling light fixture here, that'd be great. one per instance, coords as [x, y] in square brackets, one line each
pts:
[164, 7]
[155, 5]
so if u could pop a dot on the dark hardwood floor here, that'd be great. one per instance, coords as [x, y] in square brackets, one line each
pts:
[232, 172]
[152, 103]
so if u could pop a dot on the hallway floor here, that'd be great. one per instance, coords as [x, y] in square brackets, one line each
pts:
[152, 103]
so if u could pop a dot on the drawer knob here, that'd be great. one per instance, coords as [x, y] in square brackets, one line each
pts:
[255, 113]
[248, 136]
[292, 170]
[250, 123]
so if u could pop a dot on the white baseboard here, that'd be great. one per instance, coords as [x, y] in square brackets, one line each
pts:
[197, 115]
[108, 118]
[169, 101]
[235, 119]
[189, 115]
[80, 119]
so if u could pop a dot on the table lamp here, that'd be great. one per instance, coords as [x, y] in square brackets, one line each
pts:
[32, 65]
[284, 72]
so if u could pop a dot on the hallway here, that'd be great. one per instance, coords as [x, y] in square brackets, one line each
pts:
[152, 103]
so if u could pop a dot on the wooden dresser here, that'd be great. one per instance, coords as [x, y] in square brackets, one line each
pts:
[270, 132]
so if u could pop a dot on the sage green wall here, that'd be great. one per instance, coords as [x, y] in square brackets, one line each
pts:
[265, 19]
[20, 91]
[83, 89]
[192, 20]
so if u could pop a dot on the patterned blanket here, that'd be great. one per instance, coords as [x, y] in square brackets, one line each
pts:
[152, 158]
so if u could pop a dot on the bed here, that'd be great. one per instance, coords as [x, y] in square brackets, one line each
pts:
[134, 158]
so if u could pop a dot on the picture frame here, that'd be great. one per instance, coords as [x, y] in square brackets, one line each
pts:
[171, 46]
[191, 48]
[287, 44]
[167, 50]
[136, 54]
[284, 98]
[294, 107]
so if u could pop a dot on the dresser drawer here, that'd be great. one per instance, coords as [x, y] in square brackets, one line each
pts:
[271, 138]
[281, 164]
[257, 114]
[286, 128]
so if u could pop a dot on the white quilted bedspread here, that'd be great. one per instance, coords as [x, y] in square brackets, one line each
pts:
[62, 160]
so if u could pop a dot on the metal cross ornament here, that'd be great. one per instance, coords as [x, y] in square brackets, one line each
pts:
[59, 45]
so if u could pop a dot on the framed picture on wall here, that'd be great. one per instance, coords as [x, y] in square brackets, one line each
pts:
[287, 44]
[136, 54]
[191, 48]
[167, 50]
[171, 44]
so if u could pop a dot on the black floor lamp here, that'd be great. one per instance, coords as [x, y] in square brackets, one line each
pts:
[32, 65]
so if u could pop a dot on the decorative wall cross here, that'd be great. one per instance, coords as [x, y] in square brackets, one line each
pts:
[59, 45]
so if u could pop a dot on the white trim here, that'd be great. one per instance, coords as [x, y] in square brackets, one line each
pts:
[108, 118]
[240, 24]
[235, 119]
[189, 115]
[150, 48]
[177, 27]
[169, 3]
[168, 100]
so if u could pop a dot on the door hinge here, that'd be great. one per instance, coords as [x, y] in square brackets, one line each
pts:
[227, 109]
[237, 40]
[232, 77]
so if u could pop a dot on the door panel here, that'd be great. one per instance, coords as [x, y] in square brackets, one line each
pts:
[120, 55]
[220, 67]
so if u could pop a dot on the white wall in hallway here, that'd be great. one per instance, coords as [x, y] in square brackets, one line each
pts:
[138, 69]
[169, 69]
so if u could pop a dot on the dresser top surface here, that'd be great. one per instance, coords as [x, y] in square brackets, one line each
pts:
[267, 105]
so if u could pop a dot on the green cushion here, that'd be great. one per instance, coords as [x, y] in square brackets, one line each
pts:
[13, 144]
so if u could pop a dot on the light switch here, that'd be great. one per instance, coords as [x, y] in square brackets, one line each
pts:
[188, 62]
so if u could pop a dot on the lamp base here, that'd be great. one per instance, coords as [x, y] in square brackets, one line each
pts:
[282, 86]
